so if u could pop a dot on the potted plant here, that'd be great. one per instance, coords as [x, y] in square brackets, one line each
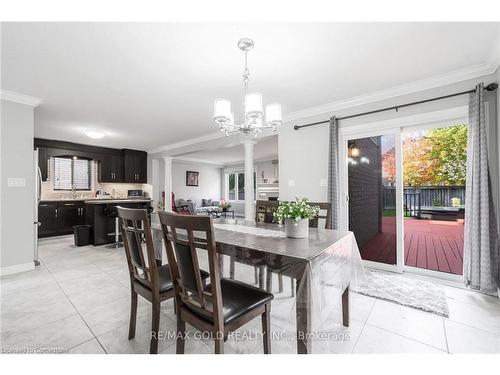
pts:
[224, 205]
[296, 217]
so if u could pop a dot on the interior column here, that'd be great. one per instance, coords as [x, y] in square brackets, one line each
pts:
[168, 183]
[249, 190]
[155, 182]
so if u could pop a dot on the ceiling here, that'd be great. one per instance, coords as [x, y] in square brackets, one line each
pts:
[265, 149]
[148, 84]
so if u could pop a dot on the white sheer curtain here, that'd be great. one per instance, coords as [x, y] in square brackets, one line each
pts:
[481, 246]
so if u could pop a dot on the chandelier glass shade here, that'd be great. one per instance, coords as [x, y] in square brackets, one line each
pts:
[256, 118]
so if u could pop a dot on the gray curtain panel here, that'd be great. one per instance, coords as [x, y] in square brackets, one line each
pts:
[333, 171]
[481, 244]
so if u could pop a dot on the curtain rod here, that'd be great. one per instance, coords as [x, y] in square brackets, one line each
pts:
[490, 87]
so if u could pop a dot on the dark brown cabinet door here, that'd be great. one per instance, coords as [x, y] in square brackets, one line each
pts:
[111, 168]
[129, 165]
[47, 216]
[69, 215]
[117, 165]
[135, 166]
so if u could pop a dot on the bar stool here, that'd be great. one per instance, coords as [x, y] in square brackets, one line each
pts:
[111, 211]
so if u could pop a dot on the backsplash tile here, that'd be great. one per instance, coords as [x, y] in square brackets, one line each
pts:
[116, 190]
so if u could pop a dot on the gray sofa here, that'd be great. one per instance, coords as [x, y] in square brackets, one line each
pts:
[194, 208]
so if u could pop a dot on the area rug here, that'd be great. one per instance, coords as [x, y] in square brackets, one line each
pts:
[406, 291]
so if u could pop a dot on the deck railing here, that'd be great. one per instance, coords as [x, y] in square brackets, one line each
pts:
[428, 196]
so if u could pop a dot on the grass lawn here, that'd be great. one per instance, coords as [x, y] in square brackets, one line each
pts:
[389, 213]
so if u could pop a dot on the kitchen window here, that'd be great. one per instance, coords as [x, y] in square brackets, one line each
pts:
[236, 186]
[71, 173]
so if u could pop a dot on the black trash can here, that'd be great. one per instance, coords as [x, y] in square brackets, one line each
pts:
[82, 235]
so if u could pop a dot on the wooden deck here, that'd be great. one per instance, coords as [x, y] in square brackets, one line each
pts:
[429, 244]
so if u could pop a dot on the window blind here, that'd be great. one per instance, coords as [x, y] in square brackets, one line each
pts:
[69, 172]
[81, 174]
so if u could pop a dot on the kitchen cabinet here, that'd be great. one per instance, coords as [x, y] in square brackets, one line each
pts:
[135, 166]
[111, 168]
[69, 214]
[115, 165]
[47, 217]
[57, 218]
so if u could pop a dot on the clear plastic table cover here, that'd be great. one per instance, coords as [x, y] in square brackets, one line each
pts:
[323, 265]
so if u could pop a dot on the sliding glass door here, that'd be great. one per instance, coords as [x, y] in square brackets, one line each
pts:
[403, 192]
[371, 204]
[434, 171]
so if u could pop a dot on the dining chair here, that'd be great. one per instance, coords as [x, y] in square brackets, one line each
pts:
[147, 278]
[264, 213]
[325, 213]
[222, 306]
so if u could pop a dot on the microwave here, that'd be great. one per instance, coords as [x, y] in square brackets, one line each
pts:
[135, 194]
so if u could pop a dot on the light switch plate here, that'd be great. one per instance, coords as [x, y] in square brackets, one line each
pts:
[291, 183]
[323, 182]
[16, 182]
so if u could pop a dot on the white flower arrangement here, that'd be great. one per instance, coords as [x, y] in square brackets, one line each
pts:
[296, 211]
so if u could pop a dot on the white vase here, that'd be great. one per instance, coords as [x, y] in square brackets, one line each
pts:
[297, 229]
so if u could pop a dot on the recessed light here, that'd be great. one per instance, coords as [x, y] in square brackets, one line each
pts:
[94, 134]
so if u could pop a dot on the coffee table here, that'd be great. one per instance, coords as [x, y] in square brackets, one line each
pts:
[218, 212]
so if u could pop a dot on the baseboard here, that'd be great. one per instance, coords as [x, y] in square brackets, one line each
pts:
[4, 271]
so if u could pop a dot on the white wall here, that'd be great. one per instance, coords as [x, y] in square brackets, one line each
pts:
[209, 181]
[303, 162]
[303, 154]
[17, 203]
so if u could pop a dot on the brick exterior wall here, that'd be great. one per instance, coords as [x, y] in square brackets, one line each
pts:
[365, 192]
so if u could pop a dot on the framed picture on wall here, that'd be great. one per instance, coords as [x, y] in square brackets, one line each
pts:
[191, 178]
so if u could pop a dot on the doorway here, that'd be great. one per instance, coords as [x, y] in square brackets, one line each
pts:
[404, 192]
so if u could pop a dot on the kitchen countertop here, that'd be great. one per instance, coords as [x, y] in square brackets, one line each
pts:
[99, 201]
[122, 200]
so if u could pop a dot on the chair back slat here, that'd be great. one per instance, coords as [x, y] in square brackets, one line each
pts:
[139, 248]
[264, 211]
[184, 263]
[324, 213]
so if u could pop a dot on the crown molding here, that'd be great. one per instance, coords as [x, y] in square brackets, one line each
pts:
[255, 161]
[456, 76]
[196, 161]
[16, 97]
[189, 142]
[469, 73]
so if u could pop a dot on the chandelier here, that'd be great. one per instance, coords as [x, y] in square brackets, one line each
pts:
[254, 122]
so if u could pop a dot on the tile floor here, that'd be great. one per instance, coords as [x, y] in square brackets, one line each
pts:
[77, 301]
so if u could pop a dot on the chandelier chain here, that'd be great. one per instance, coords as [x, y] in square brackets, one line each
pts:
[246, 74]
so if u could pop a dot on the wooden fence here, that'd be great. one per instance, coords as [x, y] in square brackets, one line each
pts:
[429, 196]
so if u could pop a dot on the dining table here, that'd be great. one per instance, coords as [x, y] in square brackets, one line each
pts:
[324, 265]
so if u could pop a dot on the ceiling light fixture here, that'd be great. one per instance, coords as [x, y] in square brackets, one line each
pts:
[94, 134]
[254, 113]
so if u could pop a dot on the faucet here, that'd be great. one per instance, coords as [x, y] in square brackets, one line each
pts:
[73, 189]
